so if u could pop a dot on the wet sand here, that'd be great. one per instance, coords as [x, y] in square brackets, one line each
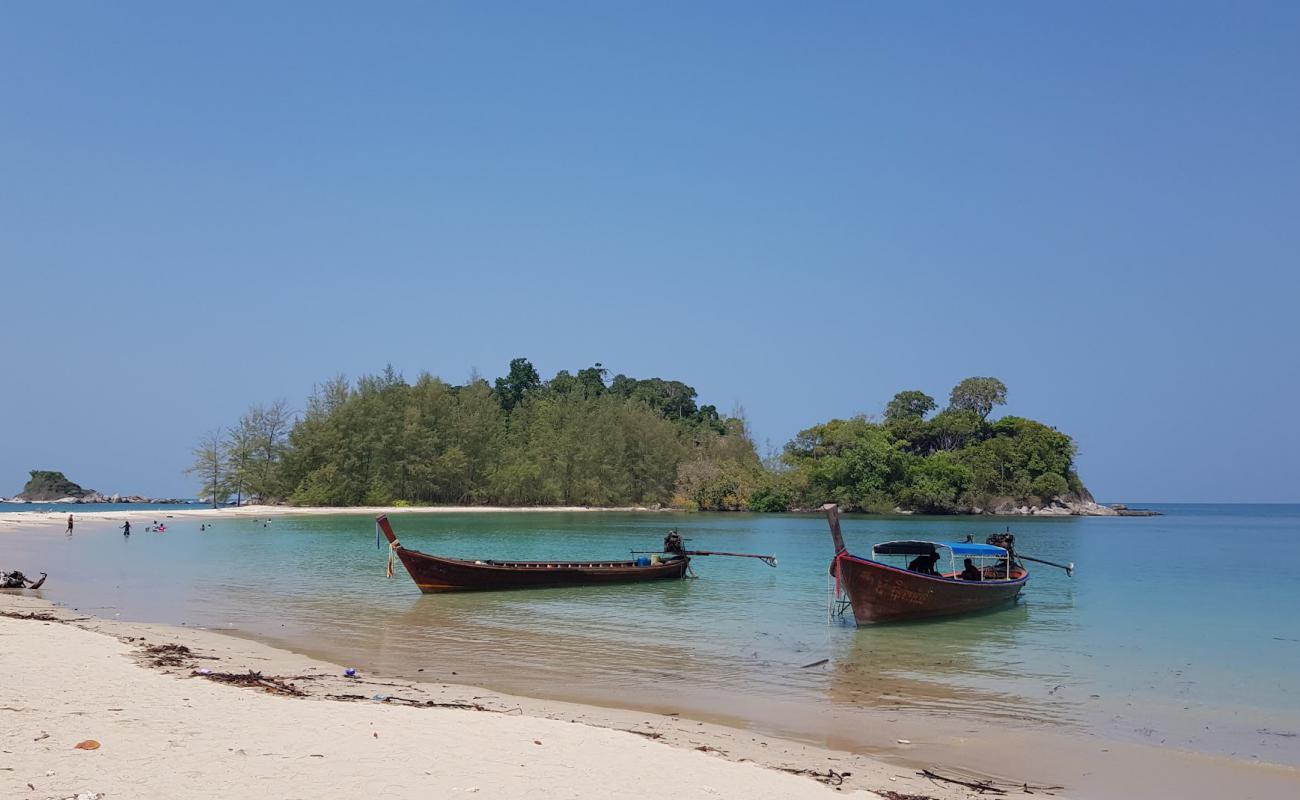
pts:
[162, 731]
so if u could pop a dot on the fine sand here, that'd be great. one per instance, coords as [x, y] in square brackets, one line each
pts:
[164, 732]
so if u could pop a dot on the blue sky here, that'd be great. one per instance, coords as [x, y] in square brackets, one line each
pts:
[797, 208]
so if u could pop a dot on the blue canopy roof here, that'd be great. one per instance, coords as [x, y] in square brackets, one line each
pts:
[972, 549]
[916, 548]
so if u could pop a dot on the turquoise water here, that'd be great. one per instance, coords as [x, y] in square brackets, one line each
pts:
[1181, 629]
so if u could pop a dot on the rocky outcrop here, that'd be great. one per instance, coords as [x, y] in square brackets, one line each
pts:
[1077, 504]
[51, 486]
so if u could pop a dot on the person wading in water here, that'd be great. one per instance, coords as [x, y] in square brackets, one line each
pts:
[69, 524]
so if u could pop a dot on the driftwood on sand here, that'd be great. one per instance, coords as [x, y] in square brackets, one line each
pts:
[17, 580]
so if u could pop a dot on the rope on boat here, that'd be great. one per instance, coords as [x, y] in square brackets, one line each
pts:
[392, 548]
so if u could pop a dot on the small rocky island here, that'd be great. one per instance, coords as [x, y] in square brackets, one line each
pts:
[51, 486]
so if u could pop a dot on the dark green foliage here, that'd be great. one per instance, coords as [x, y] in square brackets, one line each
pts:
[853, 462]
[769, 499]
[577, 440]
[909, 405]
[978, 395]
[570, 441]
[951, 463]
[512, 389]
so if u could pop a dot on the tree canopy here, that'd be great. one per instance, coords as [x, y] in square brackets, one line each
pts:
[952, 462]
[572, 440]
[581, 439]
[978, 396]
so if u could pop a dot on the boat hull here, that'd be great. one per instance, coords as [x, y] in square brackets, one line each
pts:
[881, 593]
[435, 574]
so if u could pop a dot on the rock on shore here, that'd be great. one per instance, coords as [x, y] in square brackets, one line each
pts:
[51, 486]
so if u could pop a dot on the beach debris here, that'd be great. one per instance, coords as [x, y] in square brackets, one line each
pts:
[43, 735]
[704, 748]
[421, 703]
[268, 683]
[537, 741]
[38, 616]
[830, 777]
[904, 741]
[88, 744]
[376, 734]
[1284, 734]
[646, 734]
[17, 580]
[350, 672]
[169, 655]
[816, 664]
[985, 785]
[888, 795]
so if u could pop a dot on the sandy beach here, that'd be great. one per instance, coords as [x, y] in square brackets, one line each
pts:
[164, 732]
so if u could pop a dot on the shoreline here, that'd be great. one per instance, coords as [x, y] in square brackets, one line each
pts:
[9, 516]
[1009, 755]
[45, 645]
[60, 517]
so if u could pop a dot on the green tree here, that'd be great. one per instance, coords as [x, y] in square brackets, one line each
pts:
[521, 380]
[978, 396]
[1049, 486]
[209, 467]
[239, 447]
[852, 462]
[950, 429]
[264, 431]
[909, 405]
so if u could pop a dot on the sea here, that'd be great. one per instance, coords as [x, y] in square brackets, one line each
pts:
[1181, 630]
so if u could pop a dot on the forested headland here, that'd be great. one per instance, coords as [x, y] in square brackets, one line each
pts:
[586, 439]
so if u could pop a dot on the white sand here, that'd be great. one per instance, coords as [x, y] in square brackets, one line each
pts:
[167, 735]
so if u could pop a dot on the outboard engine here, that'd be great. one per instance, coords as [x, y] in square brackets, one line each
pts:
[1006, 541]
[673, 543]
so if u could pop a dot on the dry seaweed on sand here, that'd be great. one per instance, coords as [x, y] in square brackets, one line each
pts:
[418, 703]
[984, 785]
[39, 616]
[169, 655]
[256, 680]
[830, 777]
[888, 795]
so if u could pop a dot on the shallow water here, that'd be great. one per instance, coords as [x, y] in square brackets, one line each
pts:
[1180, 629]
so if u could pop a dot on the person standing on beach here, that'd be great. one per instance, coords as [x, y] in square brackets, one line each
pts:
[69, 524]
[126, 527]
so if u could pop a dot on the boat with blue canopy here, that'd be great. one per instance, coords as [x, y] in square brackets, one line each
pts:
[917, 579]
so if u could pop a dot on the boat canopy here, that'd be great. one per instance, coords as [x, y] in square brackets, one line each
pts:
[918, 548]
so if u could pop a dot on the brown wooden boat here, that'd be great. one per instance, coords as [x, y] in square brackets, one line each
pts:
[438, 574]
[880, 592]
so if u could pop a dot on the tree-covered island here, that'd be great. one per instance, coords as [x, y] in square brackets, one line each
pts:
[585, 439]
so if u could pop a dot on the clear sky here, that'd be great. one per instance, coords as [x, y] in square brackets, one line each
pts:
[800, 208]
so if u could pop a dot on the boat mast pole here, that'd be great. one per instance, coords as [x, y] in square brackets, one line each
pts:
[833, 517]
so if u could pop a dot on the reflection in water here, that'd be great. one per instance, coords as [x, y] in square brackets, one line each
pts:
[940, 668]
[733, 643]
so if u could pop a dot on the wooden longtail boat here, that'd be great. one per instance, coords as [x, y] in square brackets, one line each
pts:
[880, 592]
[438, 574]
